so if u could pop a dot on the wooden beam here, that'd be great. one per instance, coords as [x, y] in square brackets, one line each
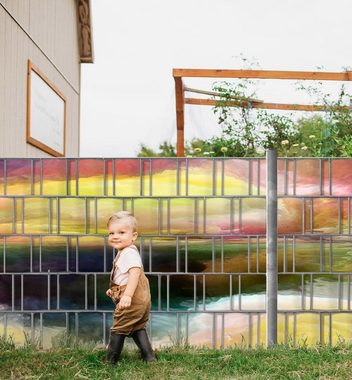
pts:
[269, 106]
[214, 93]
[263, 74]
[180, 118]
[178, 74]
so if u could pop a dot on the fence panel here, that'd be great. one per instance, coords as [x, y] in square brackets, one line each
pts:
[202, 241]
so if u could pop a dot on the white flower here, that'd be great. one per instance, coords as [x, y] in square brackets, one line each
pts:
[312, 136]
[197, 150]
[295, 145]
[284, 142]
[304, 148]
[211, 152]
[206, 153]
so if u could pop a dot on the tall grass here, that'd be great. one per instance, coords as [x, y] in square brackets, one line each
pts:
[71, 360]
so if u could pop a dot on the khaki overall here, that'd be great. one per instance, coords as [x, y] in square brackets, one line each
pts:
[135, 317]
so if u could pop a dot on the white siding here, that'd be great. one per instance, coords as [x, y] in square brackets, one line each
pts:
[53, 25]
[20, 10]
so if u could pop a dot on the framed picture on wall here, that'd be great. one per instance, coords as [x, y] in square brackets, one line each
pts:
[46, 113]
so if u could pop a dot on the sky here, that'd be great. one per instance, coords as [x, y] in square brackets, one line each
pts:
[128, 95]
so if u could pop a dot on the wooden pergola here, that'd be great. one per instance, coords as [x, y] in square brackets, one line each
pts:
[181, 100]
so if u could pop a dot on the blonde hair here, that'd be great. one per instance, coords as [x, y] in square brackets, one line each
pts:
[124, 216]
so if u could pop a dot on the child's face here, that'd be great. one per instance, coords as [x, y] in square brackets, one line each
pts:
[121, 235]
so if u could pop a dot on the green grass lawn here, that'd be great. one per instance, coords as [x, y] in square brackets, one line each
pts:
[282, 362]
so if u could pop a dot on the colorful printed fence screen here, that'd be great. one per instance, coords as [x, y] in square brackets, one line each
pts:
[202, 241]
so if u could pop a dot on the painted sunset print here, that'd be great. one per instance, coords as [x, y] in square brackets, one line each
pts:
[202, 240]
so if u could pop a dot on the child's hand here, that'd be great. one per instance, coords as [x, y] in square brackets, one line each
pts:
[125, 302]
[109, 293]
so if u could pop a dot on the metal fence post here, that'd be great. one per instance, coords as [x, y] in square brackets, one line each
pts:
[271, 247]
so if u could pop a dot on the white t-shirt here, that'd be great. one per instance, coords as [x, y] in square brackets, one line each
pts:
[127, 259]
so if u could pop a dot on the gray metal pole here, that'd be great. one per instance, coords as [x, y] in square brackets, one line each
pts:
[271, 247]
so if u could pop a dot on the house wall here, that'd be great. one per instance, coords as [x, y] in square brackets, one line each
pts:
[44, 32]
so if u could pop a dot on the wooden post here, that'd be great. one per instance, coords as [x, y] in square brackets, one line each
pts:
[180, 118]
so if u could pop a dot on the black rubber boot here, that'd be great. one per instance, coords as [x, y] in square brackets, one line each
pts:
[115, 347]
[140, 337]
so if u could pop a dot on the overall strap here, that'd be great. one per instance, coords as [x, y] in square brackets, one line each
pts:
[133, 247]
[117, 256]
